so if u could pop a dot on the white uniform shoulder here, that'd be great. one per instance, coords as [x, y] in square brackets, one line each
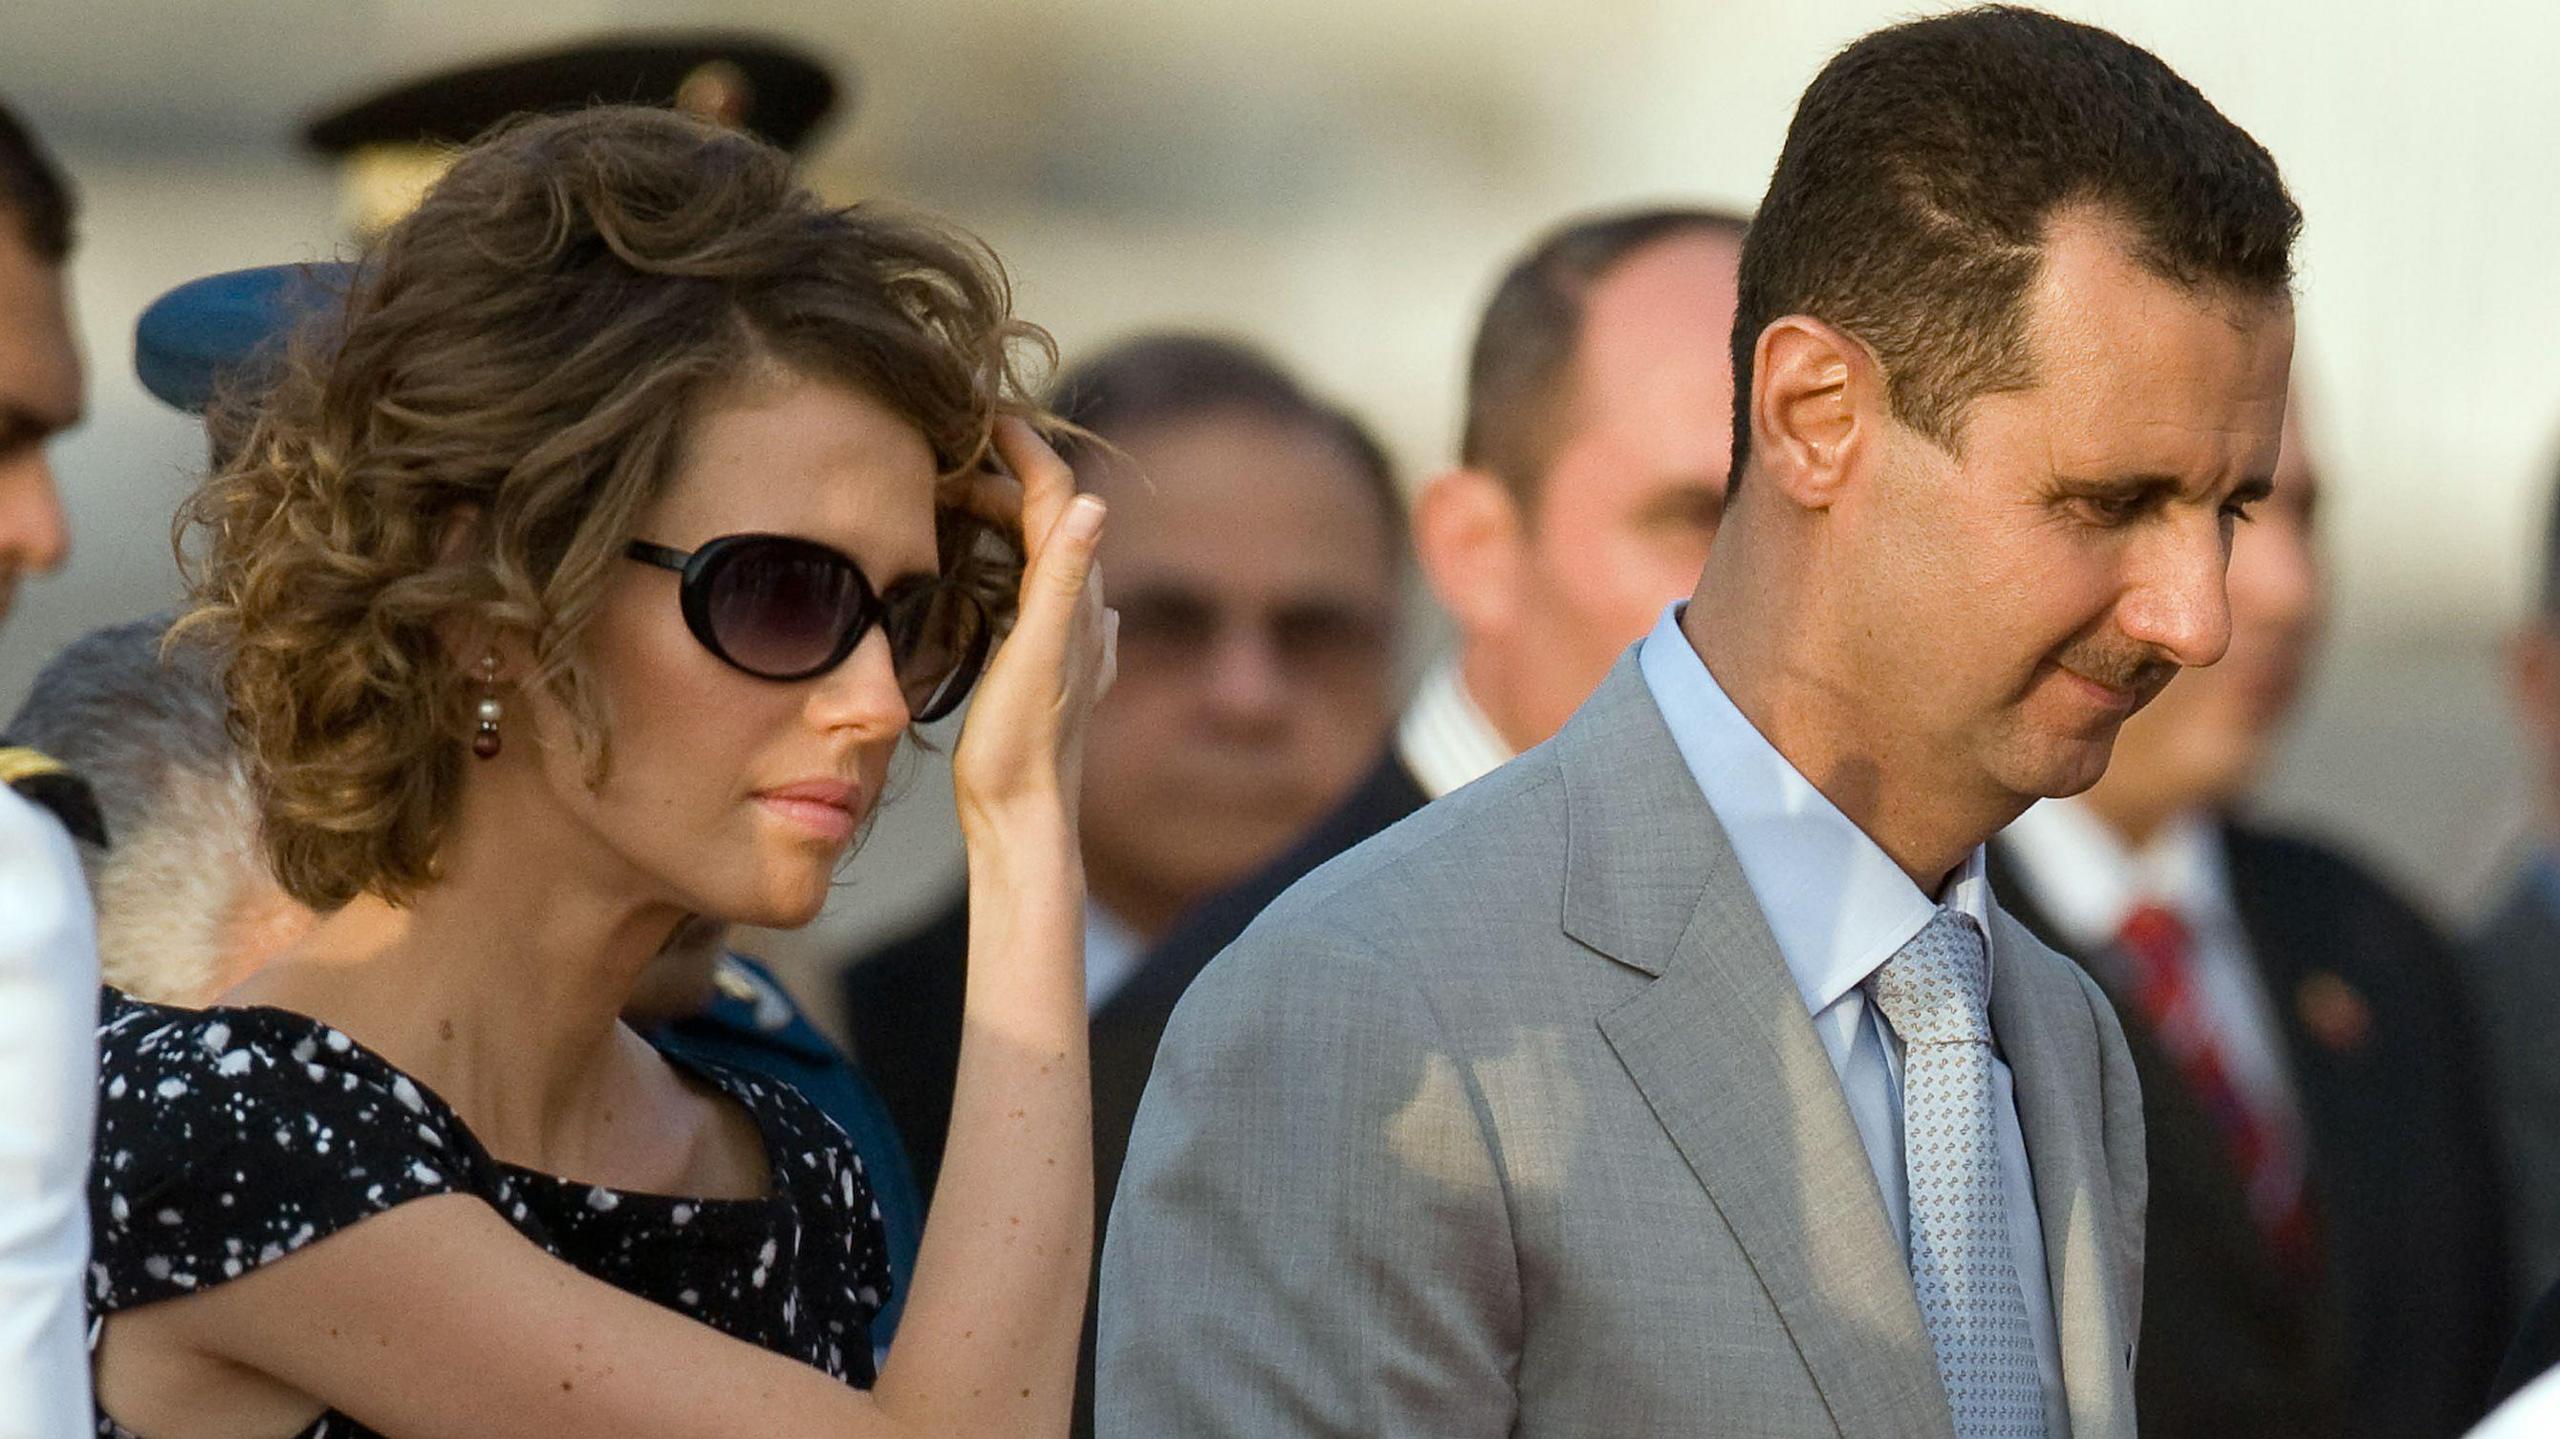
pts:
[44, 902]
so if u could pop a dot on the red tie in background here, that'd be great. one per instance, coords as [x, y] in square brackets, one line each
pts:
[2263, 1144]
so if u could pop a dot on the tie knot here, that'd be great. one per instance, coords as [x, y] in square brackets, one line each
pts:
[1936, 989]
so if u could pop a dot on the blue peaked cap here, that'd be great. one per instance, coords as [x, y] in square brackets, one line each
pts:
[229, 329]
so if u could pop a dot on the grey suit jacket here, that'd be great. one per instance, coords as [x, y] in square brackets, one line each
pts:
[1510, 1122]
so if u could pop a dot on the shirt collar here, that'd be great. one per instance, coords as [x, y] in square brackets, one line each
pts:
[1444, 739]
[2088, 880]
[1836, 903]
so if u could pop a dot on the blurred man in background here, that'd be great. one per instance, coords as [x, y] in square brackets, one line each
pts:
[1589, 482]
[48, 956]
[2513, 961]
[1256, 543]
[2325, 1254]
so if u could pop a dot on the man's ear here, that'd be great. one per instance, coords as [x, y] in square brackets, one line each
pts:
[1472, 542]
[1818, 405]
[2533, 680]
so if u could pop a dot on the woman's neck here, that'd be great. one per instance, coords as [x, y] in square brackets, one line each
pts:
[500, 986]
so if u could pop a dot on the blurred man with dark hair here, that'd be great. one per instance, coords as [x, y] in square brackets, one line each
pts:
[1255, 552]
[1256, 541]
[1682, 1076]
[1589, 482]
[2324, 1253]
[2513, 964]
[48, 956]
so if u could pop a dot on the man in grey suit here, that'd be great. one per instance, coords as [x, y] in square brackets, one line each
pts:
[1681, 1077]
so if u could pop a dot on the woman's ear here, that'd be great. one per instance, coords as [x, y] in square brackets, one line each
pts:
[1817, 406]
[469, 639]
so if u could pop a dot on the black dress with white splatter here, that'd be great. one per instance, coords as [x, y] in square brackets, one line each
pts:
[230, 1137]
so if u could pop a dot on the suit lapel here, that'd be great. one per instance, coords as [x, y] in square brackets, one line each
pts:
[1724, 1054]
[2041, 1015]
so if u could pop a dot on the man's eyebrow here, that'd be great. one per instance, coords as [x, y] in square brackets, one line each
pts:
[2253, 489]
[2247, 492]
[2117, 484]
[22, 424]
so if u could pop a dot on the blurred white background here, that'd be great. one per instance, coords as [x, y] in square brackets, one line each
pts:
[1341, 179]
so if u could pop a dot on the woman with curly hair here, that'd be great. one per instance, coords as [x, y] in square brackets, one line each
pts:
[585, 579]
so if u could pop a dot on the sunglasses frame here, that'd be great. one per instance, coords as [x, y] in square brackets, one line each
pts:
[700, 567]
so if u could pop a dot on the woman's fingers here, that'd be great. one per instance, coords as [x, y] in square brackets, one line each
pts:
[1047, 484]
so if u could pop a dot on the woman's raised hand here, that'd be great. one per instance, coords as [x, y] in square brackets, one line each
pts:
[1023, 741]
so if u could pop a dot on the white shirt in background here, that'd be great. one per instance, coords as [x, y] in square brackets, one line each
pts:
[2533, 1412]
[1444, 738]
[48, 1108]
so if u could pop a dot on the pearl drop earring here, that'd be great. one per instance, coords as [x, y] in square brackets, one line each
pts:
[485, 742]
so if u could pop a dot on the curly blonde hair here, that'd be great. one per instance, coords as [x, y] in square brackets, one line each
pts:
[526, 349]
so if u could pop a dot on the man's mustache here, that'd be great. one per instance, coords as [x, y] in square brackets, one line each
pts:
[2137, 669]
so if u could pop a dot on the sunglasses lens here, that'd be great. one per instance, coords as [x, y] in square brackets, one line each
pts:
[781, 610]
[939, 635]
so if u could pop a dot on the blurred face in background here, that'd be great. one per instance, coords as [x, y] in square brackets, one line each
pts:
[1251, 562]
[2533, 674]
[40, 396]
[1548, 592]
[2211, 733]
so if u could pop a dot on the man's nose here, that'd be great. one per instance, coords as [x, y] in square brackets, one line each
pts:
[2179, 601]
[34, 533]
[1244, 677]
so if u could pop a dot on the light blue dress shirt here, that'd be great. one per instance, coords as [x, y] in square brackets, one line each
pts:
[1839, 907]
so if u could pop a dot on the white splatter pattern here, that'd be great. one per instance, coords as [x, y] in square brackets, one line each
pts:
[240, 1135]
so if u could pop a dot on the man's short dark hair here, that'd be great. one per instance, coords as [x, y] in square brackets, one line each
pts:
[1910, 204]
[34, 197]
[1520, 373]
[1172, 378]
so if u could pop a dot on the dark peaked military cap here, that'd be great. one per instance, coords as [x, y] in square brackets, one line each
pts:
[392, 144]
[232, 328]
[751, 82]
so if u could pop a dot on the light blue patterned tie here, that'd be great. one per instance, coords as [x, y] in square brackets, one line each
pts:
[1935, 992]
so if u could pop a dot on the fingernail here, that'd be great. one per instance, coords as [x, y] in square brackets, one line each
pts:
[1084, 517]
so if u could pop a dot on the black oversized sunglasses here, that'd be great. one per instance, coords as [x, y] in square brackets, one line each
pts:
[782, 608]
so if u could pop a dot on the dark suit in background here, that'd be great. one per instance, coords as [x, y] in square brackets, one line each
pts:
[2400, 1330]
[2513, 965]
[2536, 1351]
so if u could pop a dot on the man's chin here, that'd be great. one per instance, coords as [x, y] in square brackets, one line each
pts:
[2065, 767]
